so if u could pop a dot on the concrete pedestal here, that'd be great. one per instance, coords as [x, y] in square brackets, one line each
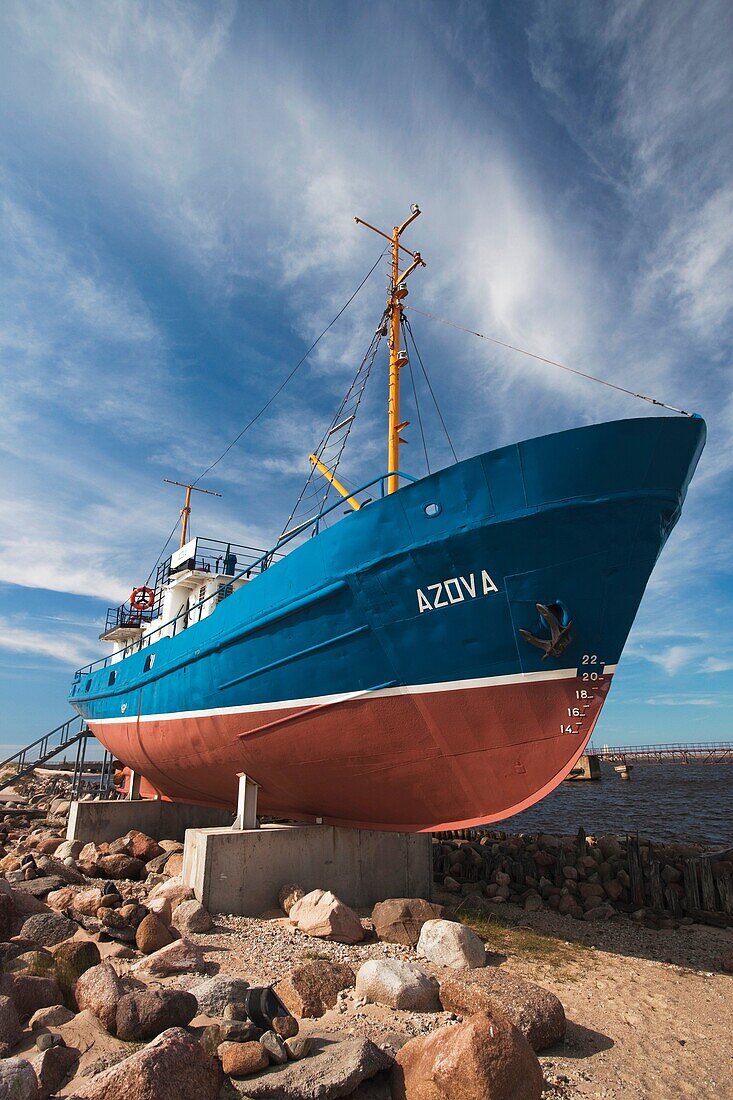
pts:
[241, 872]
[99, 821]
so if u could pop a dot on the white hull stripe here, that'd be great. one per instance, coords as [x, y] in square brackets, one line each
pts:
[344, 697]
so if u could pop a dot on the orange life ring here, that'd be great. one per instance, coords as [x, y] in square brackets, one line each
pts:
[142, 598]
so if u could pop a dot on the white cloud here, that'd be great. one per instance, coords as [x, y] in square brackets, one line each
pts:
[69, 648]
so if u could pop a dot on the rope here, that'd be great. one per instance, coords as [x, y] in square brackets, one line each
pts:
[432, 394]
[299, 364]
[417, 408]
[270, 400]
[552, 362]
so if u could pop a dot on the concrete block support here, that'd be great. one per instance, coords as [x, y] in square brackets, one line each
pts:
[241, 872]
[98, 821]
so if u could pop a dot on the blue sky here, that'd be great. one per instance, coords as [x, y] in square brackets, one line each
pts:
[177, 189]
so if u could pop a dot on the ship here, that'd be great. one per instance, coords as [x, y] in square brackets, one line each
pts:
[435, 659]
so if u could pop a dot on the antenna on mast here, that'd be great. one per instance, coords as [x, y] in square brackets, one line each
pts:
[397, 356]
[186, 509]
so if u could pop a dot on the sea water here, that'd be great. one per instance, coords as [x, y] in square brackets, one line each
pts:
[663, 802]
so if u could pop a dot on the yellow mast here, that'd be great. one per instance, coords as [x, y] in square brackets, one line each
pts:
[397, 356]
[186, 509]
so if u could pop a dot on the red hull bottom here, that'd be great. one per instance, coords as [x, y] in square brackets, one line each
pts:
[412, 760]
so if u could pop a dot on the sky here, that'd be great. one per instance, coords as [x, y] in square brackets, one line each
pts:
[178, 183]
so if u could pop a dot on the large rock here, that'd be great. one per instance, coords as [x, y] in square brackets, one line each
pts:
[173, 1066]
[151, 934]
[52, 1067]
[179, 957]
[399, 920]
[537, 1012]
[320, 913]
[48, 928]
[120, 866]
[69, 849]
[214, 994]
[397, 984]
[337, 1070]
[70, 960]
[190, 917]
[288, 895]
[55, 1016]
[29, 993]
[243, 1059]
[447, 943]
[313, 986]
[484, 1058]
[145, 1014]
[10, 1029]
[17, 1080]
[141, 846]
[8, 916]
[175, 890]
[100, 990]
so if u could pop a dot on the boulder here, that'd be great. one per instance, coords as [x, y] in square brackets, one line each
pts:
[179, 957]
[537, 1012]
[242, 1059]
[399, 920]
[191, 917]
[17, 1080]
[320, 913]
[52, 1067]
[174, 864]
[120, 866]
[70, 960]
[448, 943]
[10, 1029]
[285, 1026]
[288, 896]
[48, 928]
[275, 1048]
[142, 847]
[397, 984]
[8, 916]
[484, 1058]
[144, 1014]
[55, 1016]
[173, 1066]
[29, 993]
[313, 986]
[151, 934]
[174, 890]
[337, 1070]
[69, 849]
[161, 907]
[100, 990]
[214, 994]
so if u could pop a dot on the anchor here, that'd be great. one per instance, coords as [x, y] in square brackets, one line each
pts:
[560, 637]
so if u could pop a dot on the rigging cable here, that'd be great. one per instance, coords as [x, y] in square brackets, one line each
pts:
[432, 393]
[417, 408]
[299, 364]
[552, 362]
[270, 400]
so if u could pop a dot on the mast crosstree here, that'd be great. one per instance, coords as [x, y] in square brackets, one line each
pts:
[397, 355]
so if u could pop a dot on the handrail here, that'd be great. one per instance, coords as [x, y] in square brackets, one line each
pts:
[45, 739]
[264, 561]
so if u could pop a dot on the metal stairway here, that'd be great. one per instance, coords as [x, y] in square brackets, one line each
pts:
[72, 732]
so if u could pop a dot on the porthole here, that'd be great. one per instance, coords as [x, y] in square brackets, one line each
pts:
[112, 677]
[432, 509]
[149, 662]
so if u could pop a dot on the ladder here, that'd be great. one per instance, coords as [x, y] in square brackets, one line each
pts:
[74, 731]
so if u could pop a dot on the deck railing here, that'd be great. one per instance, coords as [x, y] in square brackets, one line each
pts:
[258, 565]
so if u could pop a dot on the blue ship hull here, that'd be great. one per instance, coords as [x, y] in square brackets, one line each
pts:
[377, 675]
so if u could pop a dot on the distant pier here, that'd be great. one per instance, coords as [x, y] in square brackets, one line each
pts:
[710, 752]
